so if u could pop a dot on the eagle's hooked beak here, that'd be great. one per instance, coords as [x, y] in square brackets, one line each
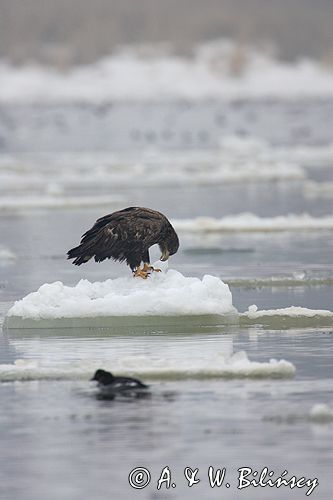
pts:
[165, 255]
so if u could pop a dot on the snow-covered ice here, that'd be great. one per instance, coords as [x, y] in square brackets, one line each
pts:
[19, 203]
[219, 69]
[291, 312]
[321, 413]
[251, 222]
[287, 317]
[52, 179]
[6, 255]
[220, 365]
[236, 161]
[319, 190]
[163, 294]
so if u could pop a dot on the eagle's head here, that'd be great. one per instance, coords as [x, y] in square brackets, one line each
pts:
[170, 245]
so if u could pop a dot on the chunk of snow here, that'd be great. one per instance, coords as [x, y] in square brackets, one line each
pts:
[6, 254]
[292, 312]
[217, 366]
[252, 222]
[162, 294]
[321, 413]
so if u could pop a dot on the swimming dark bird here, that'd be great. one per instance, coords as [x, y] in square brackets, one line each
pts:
[117, 384]
[127, 235]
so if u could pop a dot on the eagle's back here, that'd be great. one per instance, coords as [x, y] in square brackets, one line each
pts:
[123, 235]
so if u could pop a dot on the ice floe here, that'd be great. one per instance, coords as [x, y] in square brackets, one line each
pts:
[19, 203]
[315, 190]
[163, 294]
[251, 222]
[292, 312]
[55, 174]
[242, 148]
[321, 413]
[6, 255]
[219, 69]
[287, 317]
[236, 365]
[297, 280]
[135, 303]
[309, 156]
[52, 179]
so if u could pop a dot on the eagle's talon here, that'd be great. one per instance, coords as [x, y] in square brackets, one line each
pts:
[140, 273]
[148, 269]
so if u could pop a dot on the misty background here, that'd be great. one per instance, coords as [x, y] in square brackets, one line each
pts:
[66, 32]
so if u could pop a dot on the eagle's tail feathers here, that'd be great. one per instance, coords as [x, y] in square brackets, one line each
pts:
[79, 255]
[92, 248]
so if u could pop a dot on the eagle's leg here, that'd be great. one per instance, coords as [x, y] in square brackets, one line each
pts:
[140, 273]
[146, 263]
[137, 271]
[148, 268]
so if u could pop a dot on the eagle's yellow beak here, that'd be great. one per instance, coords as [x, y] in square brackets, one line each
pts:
[165, 255]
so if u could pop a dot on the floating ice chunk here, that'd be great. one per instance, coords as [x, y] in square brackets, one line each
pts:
[309, 156]
[153, 368]
[6, 255]
[287, 317]
[17, 203]
[72, 172]
[314, 189]
[251, 222]
[252, 309]
[299, 275]
[24, 369]
[163, 294]
[291, 311]
[298, 279]
[321, 413]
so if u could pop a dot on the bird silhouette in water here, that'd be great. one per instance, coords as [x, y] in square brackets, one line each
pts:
[110, 385]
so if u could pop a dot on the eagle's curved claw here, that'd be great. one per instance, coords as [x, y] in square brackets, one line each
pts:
[140, 273]
[145, 271]
[147, 268]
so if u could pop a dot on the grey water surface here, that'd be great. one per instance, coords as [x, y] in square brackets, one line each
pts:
[59, 440]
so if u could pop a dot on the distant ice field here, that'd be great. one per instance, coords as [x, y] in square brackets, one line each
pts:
[219, 69]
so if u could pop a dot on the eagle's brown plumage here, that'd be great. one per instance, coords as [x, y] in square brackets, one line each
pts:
[127, 235]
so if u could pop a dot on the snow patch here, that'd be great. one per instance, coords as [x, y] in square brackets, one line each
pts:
[162, 294]
[17, 203]
[251, 222]
[291, 312]
[219, 366]
[321, 413]
[6, 255]
[220, 69]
